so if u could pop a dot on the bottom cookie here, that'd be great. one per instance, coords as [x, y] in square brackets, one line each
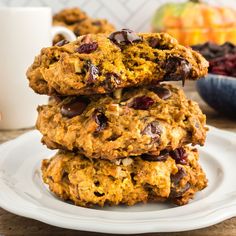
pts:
[175, 176]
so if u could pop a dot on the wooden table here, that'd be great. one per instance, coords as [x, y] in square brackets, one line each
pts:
[11, 224]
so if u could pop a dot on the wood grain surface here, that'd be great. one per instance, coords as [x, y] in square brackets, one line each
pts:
[11, 224]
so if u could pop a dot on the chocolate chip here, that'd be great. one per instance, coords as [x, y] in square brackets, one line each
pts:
[87, 47]
[75, 107]
[177, 68]
[156, 43]
[124, 37]
[153, 130]
[64, 175]
[77, 32]
[73, 20]
[176, 193]
[62, 43]
[100, 119]
[180, 156]
[162, 157]
[132, 176]
[113, 77]
[93, 73]
[97, 23]
[111, 81]
[162, 93]
[141, 103]
[50, 178]
[176, 178]
[99, 194]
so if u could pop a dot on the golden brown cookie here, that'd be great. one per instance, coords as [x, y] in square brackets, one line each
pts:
[102, 63]
[80, 23]
[69, 16]
[123, 124]
[175, 176]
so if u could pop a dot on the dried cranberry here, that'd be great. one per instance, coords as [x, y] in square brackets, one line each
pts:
[224, 65]
[87, 47]
[62, 43]
[93, 73]
[75, 107]
[153, 130]
[212, 51]
[177, 68]
[162, 157]
[100, 119]
[141, 103]
[124, 37]
[162, 93]
[179, 155]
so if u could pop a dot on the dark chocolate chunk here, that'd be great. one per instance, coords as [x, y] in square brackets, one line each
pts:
[162, 93]
[176, 193]
[77, 32]
[153, 130]
[75, 107]
[178, 176]
[87, 47]
[93, 73]
[111, 76]
[96, 23]
[177, 68]
[111, 81]
[100, 119]
[124, 37]
[162, 157]
[62, 43]
[99, 194]
[156, 43]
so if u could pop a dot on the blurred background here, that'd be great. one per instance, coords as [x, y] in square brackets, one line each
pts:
[133, 14]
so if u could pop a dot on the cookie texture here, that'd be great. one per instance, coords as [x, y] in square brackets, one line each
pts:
[88, 182]
[80, 23]
[101, 63]
[126, 123]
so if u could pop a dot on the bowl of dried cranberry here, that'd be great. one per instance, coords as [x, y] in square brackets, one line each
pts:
[218, 89]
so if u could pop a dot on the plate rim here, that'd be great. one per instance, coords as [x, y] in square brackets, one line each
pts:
[107, 227]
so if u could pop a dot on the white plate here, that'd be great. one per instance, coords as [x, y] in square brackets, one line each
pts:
[22, 192]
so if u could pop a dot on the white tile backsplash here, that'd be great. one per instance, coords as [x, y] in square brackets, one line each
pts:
[133, 14]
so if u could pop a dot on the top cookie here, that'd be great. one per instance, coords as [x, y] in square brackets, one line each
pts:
[80, 23]
[102, 63]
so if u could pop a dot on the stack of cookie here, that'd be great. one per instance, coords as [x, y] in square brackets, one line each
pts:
[122, 136]
[80, 23]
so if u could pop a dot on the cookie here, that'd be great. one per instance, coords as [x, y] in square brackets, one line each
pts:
[101, 63]
[88, 182]
[80, 23]
[127, 123]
